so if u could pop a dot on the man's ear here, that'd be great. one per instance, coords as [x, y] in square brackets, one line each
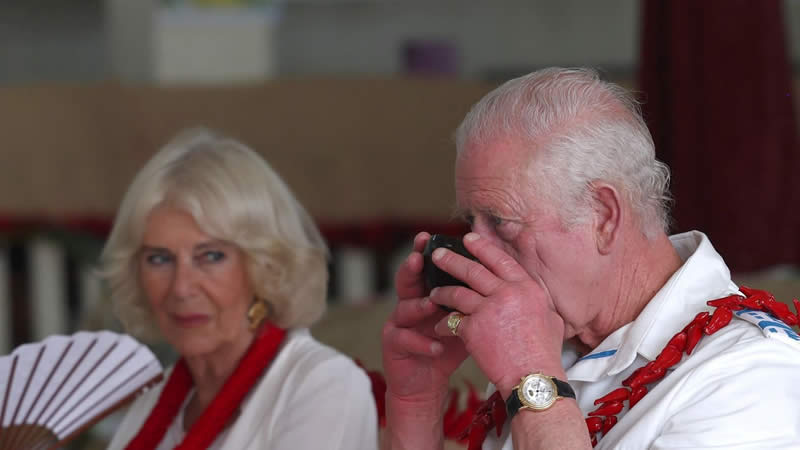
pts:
[607, 206]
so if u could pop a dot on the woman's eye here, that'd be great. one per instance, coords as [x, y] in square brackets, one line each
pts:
[496, 221]
[213, 256]
[157, 259]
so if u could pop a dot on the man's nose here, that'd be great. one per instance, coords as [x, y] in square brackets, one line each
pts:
[482, 227]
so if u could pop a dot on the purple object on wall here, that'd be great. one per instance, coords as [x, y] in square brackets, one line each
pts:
[430, 57]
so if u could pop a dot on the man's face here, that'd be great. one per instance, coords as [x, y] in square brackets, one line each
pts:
[495, 192]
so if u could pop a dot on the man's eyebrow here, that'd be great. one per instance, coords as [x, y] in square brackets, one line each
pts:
[458, 213]
[486, 211]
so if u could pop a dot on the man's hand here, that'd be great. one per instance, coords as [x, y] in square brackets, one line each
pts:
[511, 328]
[510, 325]
[417, 362]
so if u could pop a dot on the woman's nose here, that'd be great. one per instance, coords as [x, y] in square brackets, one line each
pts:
[185, 281]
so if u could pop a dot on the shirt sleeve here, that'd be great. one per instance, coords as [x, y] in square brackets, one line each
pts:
[331, 408]
[745, 398]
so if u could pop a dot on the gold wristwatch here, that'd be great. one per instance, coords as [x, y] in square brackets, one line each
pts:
[537, 392]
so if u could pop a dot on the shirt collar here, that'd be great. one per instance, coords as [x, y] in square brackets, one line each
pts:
[702, 277]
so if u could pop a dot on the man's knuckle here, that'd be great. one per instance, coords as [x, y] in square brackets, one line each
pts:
[387, 331]
[506, 262]
[474, 271]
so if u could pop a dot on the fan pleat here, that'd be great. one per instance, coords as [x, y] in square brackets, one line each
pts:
[57, 388]
[88, 392]
[44, 385]
[63, 382]
[9, 386]
[13, 443]
[59, 410]
[70, 428]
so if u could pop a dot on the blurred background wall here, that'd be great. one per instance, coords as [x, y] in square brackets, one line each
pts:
[354, 102]
[58, 40]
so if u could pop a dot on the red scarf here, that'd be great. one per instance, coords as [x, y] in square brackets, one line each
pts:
[216, 415]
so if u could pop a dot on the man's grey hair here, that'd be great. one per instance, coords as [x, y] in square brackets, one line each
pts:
[579, 130]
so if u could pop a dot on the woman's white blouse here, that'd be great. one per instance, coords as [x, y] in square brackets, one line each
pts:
[311, 397]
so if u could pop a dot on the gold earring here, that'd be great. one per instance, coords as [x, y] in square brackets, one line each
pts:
[257, 313]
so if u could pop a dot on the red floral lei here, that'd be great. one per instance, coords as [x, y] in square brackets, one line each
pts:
[492, 413]
[219, 413]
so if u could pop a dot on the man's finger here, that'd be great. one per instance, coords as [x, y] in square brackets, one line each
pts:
[404, 341]
[442, 327]
[420, 240]
[411, 312]
[495, 259]
[408, 279]
[477, 277]
[457, 297]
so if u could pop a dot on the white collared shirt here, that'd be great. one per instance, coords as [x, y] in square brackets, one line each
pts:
[738, 389]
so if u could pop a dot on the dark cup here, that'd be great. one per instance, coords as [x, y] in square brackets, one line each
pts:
[434, 276]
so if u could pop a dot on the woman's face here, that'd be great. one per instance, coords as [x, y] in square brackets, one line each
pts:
[197, 286]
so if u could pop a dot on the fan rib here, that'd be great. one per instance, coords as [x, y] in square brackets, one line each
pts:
[65, 380]
[15, 436]
[78, 385]
[49, 442]
[5, 397]
[88, 392]
[42, 431]
[52, 391]
[106, 411]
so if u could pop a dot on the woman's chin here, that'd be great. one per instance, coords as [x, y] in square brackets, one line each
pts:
[199, 346]
[194, 341]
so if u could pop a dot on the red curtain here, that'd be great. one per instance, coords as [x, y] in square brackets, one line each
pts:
[716, 85]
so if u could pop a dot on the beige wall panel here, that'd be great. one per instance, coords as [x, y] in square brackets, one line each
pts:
[351, 149]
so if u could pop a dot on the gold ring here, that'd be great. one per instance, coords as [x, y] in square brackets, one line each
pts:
[454, 321]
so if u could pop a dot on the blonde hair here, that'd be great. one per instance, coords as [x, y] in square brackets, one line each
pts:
[234, 195]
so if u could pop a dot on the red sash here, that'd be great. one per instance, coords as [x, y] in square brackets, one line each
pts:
[218, 414]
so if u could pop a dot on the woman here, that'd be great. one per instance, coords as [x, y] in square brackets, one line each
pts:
[211, 252]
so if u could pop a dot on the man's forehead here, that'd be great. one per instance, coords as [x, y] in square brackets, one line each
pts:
[493, 172]
[489, 194]
[499, 151]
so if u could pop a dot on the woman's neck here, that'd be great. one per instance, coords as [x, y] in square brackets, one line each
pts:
[209, 373]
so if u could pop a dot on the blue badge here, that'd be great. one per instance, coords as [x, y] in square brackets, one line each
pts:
[770, 326]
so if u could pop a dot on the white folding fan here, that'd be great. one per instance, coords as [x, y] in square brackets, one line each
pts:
[52, 390]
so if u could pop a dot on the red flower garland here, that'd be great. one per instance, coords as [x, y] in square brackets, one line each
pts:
[219, 413]
[493, 412]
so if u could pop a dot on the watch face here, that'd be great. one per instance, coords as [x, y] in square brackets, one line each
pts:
[538, 391]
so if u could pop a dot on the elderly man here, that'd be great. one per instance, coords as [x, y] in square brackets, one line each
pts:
[578, 286]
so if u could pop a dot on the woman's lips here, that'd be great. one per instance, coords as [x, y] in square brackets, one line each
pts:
[190, 320]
